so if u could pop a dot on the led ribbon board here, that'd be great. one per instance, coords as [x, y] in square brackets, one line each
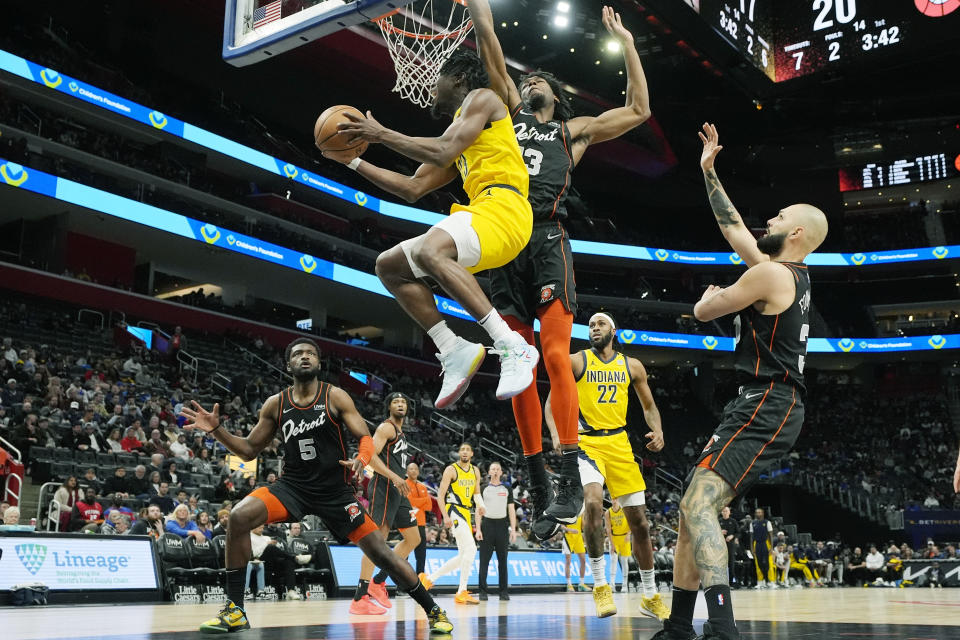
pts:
[36, 181]
[153, 118]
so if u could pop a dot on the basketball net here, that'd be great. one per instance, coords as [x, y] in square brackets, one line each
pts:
[420, 38]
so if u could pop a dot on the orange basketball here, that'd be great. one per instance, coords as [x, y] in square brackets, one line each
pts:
[329, 140]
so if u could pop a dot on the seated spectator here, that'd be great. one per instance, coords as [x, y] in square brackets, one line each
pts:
[130, 443]
[800, 562]
[155, 481]
[91, 480]
[156, 444]
[74, 438]
[87, 513]
[163, 499]
[117, 485]
[247, 487]
[150, 523]
[139, 484]
[202, 462]
[116, 506]
[156, 463]
[781, 560]
[822, 561]
[204, 524]
[223, 517]
[265, 548]
[193, 504]
[183, 498]
[171, 476]
[134, 413]
[109, 521]
[113, 441]
[179, 448]
[11, 520]
[67, 495]
[181, 524]
[91, 439]
[875, 564]
[170, 431]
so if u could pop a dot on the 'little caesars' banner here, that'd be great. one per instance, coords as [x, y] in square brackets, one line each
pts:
[73, 563]
[525, 567]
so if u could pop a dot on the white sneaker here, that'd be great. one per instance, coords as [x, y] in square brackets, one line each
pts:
[293, 594]
[518, 360]
[459, 366]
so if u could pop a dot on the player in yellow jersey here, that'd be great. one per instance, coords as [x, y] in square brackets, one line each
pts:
[618, 531]
[604, 377]
[489, 232]
[458, 491]
[572, 544]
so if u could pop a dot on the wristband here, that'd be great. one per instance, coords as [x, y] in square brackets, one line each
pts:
[365, 452]
[353, 164]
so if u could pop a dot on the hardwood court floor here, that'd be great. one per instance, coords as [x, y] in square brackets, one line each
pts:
[886, 614]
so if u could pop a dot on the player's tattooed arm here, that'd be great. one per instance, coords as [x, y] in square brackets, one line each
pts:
[723, 209]
[707, 494]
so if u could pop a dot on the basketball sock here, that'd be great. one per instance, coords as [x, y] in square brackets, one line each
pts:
[599, 570]
[362, 587]
[648, 579]
[536, 470]
[443, 337]
[556, 324]
[496, 328]
[422, 597]
[235, 585]
[381, 576]
[681, 608]
[614, 560]
[570, 465]
[719, 607]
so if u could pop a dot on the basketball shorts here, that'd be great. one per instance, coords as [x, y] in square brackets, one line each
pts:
[459, 515]
[607, 458]
[339, 509]
[489, 232]
[621, 545]
[388, 506]
[573, 543]
[540, 274]
[757, 428]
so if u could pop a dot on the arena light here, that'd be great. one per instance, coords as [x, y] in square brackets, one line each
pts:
[612, 46]
[563, 7]
[561, 21]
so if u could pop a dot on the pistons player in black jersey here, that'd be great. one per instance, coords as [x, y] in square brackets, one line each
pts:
[760, 425]
[389, 508]
[539, 283]
[311, 417]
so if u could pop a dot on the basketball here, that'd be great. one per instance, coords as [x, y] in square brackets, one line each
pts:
[329, 140]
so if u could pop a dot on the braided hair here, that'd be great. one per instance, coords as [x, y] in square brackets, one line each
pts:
[467, 65]
[562, 109]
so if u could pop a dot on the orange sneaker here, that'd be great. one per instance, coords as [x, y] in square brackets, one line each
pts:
[427, 584]
[365, 607]
[378, 591]
[464, 597]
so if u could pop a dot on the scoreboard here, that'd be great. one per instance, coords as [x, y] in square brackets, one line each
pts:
[791, 38]
[900, 171]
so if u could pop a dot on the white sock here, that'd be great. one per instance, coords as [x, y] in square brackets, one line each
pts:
[496, 327]
[625, 570]
[443, 337]
[599, 570]
[649, 582]
[613, 569]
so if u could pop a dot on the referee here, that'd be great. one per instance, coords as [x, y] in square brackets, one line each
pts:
[492, 530]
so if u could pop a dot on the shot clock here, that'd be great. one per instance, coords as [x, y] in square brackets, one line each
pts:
[791, 38]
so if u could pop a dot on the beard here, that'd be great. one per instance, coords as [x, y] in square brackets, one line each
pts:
[772, 243]
[536, 101]
[305, 375]
[602, 342]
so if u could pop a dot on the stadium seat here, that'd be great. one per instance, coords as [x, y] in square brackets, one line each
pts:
[62, 454]
[87, 458]
[207, 492]
[175, 559]
[126, 460]
[107, 459]
[309, 573]
[60, 471]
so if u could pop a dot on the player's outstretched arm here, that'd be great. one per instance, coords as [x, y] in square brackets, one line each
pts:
[247, 448]
[731, 224]
[479, 108]
[641, 386]
[587, 130]
[768, 283]
[488, 46]
[427, 178]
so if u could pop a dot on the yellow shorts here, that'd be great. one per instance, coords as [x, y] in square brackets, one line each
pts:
[460, 513]
[621, 544]
[609, 459]
[503, 221]
[573, 543]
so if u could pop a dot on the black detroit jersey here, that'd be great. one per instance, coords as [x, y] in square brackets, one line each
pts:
[773, 348]
[312, 443]
[546, 152]
[394, 453]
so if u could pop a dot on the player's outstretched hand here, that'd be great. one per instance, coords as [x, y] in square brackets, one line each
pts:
[611, 20]
[656, 440]
[361, 128]
[400, 484]
[200, 418]
[356, 467]
[711, 145]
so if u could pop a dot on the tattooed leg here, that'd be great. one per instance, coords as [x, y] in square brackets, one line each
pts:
[685, 574]
[699, 509]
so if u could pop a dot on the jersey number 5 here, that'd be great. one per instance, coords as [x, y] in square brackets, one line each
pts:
[603, 389]
[307, 450]
[534, 158]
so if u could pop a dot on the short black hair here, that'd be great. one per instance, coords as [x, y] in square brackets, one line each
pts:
[289, 349]
[467, 65]
[562, 110]
[393, 396]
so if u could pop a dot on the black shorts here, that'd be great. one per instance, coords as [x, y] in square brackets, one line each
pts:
[758, 427]
[388, 506]
[339, 508]
[540, 274]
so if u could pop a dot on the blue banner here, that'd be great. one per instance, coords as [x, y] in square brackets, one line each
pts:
[940, 525]
[37, 181]
[526, 568]
[153, 118]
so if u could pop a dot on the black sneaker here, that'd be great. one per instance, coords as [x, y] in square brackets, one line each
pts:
[504, 596]
[540, 497]
[483, 596]
[673, 631]
[709, 633]
[564, 509]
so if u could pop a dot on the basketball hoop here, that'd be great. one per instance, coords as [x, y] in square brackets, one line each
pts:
[420, 38]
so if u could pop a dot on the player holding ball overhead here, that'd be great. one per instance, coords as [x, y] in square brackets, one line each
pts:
[488, 232]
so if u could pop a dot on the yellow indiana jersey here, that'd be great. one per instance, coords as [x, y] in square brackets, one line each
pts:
[493, 158]
[603, 389]
[618, 523]
[463, 487]
[574, 539]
